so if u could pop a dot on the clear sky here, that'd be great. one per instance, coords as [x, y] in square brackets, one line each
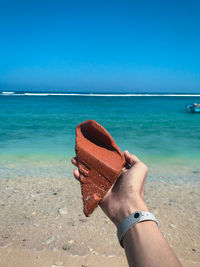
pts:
[100, 45]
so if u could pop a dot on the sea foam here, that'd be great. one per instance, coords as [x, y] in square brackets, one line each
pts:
[99, 95]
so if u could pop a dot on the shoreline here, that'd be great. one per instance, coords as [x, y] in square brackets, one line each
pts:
[44, 215]
[63, 169]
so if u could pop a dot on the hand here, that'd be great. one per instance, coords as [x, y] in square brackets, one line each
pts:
[127, 194]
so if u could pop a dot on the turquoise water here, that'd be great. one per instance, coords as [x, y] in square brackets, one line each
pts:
[42, 128]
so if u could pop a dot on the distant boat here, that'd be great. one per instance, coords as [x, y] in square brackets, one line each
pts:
[195, 108]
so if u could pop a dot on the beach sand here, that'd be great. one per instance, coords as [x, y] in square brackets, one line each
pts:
[42, 223]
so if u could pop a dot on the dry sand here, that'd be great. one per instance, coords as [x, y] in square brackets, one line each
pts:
[42, 224]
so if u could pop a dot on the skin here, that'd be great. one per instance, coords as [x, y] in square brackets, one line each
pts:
[144, 244]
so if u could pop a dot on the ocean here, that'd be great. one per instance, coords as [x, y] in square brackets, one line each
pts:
[37, 130]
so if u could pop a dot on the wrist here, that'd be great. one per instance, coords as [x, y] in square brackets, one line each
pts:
[127, 208]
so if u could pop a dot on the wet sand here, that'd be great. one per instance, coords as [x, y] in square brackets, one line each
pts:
[42, 223]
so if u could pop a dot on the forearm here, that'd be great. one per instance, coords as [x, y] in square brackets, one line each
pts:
[145, 246]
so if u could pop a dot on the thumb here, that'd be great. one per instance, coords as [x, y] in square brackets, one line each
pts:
[130, 158]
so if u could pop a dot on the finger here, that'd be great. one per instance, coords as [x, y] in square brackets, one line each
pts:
[74, 161]
[130, 158]
[76, 174]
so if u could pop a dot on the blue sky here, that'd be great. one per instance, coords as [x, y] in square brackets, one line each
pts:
[100, 45]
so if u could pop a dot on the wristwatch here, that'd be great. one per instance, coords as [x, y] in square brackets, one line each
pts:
[131, 220]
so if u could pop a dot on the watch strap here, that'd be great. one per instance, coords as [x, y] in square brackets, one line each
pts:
[131, 220]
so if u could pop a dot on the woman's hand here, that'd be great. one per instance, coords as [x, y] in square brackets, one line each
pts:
[127, 194]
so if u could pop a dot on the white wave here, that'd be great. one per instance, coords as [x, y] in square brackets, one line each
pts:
[129, 95]
[101, 95]
[36, 94]
[112, 95]
[7, 93]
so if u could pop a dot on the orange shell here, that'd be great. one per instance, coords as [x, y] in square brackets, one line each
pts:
[100, 162]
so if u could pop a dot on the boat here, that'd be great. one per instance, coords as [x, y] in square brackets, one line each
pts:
[194, 108]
